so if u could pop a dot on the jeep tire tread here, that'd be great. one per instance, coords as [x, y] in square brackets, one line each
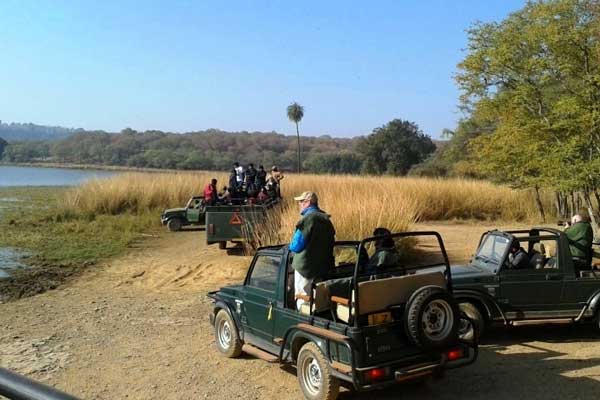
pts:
[174, 224]
[314, 375]
[471, 311]
[226, 335]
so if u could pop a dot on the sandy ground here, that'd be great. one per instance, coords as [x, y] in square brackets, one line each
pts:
[137, 328]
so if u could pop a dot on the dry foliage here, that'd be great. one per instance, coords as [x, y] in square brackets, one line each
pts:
[357, 204]
[137, 192]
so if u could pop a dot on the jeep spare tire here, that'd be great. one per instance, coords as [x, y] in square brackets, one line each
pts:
[431, 319]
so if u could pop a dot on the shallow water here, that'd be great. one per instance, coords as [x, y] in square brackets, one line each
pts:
[10, 259]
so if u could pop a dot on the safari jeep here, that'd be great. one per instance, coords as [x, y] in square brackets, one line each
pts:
[359, 330]
[549, 288]
[192, 214]
[235, 223]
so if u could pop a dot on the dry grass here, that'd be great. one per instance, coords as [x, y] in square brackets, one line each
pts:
[357, 204]
[137, 192]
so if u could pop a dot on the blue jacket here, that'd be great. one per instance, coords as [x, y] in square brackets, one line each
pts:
[298, 242]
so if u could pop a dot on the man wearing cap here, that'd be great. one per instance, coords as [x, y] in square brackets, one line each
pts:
[312, 244]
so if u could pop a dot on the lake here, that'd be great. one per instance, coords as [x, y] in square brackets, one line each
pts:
[32, 176]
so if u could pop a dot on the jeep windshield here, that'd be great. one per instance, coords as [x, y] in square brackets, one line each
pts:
[491, 252]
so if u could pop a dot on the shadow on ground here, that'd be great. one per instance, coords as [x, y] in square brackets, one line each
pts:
[517, 363]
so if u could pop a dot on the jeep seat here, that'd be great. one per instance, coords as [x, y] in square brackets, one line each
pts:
[320, 299]
[380, 294]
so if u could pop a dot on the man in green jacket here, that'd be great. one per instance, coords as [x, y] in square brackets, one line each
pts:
[312, 244]
[580, 236]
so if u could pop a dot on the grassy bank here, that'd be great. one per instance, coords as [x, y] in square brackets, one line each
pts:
[59, 242]
[34, 219]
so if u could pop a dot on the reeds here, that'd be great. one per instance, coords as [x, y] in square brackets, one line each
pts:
[357, 204]
[138, 192]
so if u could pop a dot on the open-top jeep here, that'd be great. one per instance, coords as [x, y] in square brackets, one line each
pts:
[550, 287]
[357, 329]
[192, 214]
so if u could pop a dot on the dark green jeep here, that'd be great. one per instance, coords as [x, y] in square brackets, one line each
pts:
[548, 286]
[364, 330]
[192, 214]
[235, 223]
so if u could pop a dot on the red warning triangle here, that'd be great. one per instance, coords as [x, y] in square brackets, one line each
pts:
[235, 219]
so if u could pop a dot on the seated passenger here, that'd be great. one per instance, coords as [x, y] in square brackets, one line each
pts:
[580, 236]
[271, 187]
[224, 194]
[517, 257]
[262, 195]
[385, 255]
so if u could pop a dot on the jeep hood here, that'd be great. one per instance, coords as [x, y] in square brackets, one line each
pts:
[174, 210]
[469, 272]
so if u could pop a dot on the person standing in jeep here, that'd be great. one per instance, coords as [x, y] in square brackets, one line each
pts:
[210, 193]
[312, 244]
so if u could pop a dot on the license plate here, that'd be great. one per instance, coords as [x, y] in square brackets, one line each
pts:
[380, 318]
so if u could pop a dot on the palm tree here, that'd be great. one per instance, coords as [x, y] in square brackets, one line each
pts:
[295, 112]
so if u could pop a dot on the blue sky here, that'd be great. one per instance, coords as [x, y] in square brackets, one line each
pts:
[191, 65]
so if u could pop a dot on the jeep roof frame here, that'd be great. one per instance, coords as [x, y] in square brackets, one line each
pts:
[362, 247]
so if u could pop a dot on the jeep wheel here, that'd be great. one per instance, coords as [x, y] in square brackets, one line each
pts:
[432, 319]
[465, 329]
[314, 375]
[222, 245]
[226, 335]
[174, 224]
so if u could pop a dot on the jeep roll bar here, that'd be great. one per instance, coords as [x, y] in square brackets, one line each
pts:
[18, 387]
[362, 248]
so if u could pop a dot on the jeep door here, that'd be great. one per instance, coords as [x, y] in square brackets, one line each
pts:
[532, 292]
[260, 297]
[193, 211]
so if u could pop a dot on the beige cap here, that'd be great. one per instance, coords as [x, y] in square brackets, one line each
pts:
[312, 196]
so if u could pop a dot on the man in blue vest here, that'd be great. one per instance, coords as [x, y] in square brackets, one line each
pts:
[312, 245]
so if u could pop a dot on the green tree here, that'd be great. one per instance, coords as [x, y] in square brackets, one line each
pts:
[343, 162]
[535, 79]
[295, 113]
[394, 148]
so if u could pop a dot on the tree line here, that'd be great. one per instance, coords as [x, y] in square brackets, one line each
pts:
[531, 99]
[28, 131]
[393, 148]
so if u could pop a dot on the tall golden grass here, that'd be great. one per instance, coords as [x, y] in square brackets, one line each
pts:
[357, 204]
[138, 192]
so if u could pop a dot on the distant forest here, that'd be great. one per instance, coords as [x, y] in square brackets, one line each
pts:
[218, 150]
[14, 132]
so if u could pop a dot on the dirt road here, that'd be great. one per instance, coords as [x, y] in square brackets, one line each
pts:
[137, 328]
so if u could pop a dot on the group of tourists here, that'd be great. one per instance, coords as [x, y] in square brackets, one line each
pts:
[245, 186]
